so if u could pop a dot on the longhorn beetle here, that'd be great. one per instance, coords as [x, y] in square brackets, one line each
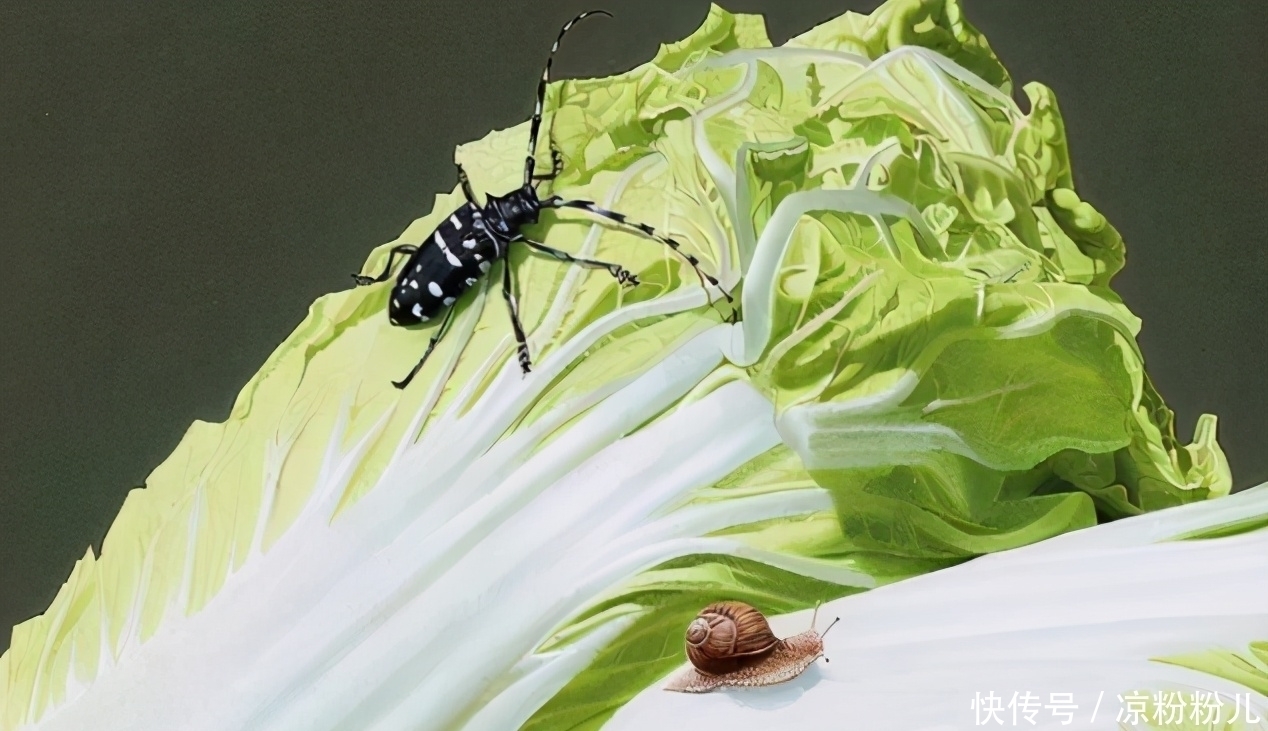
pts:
[466, 245]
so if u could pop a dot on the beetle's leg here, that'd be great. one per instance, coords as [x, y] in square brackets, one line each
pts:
[556, 164]
[589, 206]
[440, 333]
[509, 293]
[402, 250]
[623, 275]
[466, 186]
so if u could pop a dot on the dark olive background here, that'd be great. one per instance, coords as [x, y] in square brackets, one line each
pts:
[178, 181]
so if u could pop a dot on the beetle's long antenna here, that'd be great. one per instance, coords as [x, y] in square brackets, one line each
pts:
[555, 201]
[815, 617]
[530, 163]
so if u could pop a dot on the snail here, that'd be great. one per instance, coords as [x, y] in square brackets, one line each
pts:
[731, 644]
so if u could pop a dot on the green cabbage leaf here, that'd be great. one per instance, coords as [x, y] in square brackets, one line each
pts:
[928, 365]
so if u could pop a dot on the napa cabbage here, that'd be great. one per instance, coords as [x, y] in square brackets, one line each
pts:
[928, 365]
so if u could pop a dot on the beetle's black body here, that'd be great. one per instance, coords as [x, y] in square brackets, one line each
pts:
[467, 244]
[461, 250]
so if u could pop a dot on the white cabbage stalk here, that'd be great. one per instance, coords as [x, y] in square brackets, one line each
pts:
[491, 551]
[406, 609]
[1097, 614]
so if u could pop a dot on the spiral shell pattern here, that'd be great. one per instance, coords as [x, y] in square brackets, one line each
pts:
[728, 636]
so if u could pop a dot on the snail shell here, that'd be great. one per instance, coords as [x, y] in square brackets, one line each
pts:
[731, 644]
[727, 636]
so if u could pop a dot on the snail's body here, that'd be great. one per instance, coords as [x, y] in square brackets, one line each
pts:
[730, 644]
[787, 660]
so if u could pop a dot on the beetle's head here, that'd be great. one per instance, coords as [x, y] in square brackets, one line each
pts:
[515, 209]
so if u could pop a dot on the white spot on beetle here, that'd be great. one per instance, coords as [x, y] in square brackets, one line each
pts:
[484, 267]
[396, 304]
[413, 284]
[447, 301]
[423, 318]
[453, 260]
[434, 289]
[418, 310]
[453, 220]
[470, 281]
[468, 243]
[394, 321]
